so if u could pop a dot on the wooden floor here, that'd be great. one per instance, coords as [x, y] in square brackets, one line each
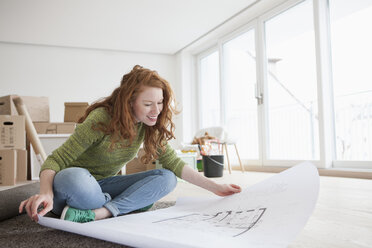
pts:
[342, 217]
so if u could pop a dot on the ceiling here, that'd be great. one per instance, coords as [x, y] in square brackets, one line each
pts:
[151, 26]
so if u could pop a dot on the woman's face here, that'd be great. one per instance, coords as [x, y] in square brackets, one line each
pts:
[148, 105]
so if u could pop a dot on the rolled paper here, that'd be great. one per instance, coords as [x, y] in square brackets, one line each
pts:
[30, 130]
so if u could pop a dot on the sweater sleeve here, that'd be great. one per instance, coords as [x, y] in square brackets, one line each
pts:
[169, 160]
[82, 138]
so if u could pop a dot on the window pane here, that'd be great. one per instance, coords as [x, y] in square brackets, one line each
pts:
[292, 84]
[210, 90]
[241, 105]
[351, 40]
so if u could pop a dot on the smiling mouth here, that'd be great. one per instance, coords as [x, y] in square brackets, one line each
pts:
[152, 118]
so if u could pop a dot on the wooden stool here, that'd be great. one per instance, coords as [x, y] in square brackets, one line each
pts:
[224, 145]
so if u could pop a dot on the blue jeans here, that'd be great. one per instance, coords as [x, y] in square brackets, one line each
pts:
[77, 188]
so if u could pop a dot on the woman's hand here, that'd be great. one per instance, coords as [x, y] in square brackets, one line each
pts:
[34, 202]
[192, 176]
[227, 189]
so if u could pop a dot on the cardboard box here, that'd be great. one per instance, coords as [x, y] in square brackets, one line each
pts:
[12, 132]
[54, 127]
[8, 168]
[21, 166]
[7, 106]
[74, 111]
[151, 166]
[135, 165]
[37, 107]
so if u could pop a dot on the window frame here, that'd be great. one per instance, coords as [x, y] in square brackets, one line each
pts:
[199, 57]
[327, 144]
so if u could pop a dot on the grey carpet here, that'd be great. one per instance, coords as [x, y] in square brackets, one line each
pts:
[11, 198]
[21, 232]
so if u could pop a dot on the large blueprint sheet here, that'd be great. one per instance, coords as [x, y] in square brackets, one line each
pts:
[268, 214]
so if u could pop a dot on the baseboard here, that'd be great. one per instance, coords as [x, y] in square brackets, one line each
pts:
[16, 185]
[332, 172]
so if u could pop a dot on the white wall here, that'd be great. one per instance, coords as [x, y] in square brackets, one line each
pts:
[78, 74]
[71, 74]
[187, 97]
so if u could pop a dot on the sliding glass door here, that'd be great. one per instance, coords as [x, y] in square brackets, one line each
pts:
[292, 85]
[351, 41]
[239, 82]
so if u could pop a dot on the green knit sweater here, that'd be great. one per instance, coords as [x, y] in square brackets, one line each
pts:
[90, 149]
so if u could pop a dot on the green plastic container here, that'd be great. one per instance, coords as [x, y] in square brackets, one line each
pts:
[199, 165]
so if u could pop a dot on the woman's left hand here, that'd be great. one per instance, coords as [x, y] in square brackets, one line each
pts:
[227, 189]
[192, 176]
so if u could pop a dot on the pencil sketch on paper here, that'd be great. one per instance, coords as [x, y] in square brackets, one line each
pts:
[242, 220]
[238, 222]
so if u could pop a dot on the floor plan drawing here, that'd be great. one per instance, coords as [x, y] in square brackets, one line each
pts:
[268, 214]
[238, 221]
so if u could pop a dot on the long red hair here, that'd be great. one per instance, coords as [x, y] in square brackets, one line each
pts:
[122, 124]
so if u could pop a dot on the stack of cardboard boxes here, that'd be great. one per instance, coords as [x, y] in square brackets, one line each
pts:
[73, 112]
[47, 127]
[53, 134]
[13, 153]
[15, 162]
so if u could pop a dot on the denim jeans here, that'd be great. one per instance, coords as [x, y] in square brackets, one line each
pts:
[77, 188]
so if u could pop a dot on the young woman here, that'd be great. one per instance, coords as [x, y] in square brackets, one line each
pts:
[79, 180]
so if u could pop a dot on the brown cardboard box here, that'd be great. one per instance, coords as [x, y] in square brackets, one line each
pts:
[8, 168]
[7, 106]
[54, 127]
[12, 132]
[74, 110]
[151, 166]
[136, 165]
[37, 107]
[21, 166]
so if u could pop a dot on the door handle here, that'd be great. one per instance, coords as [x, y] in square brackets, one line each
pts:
[258, 95]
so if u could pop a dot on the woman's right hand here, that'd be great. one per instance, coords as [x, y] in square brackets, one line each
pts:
[34, 202]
